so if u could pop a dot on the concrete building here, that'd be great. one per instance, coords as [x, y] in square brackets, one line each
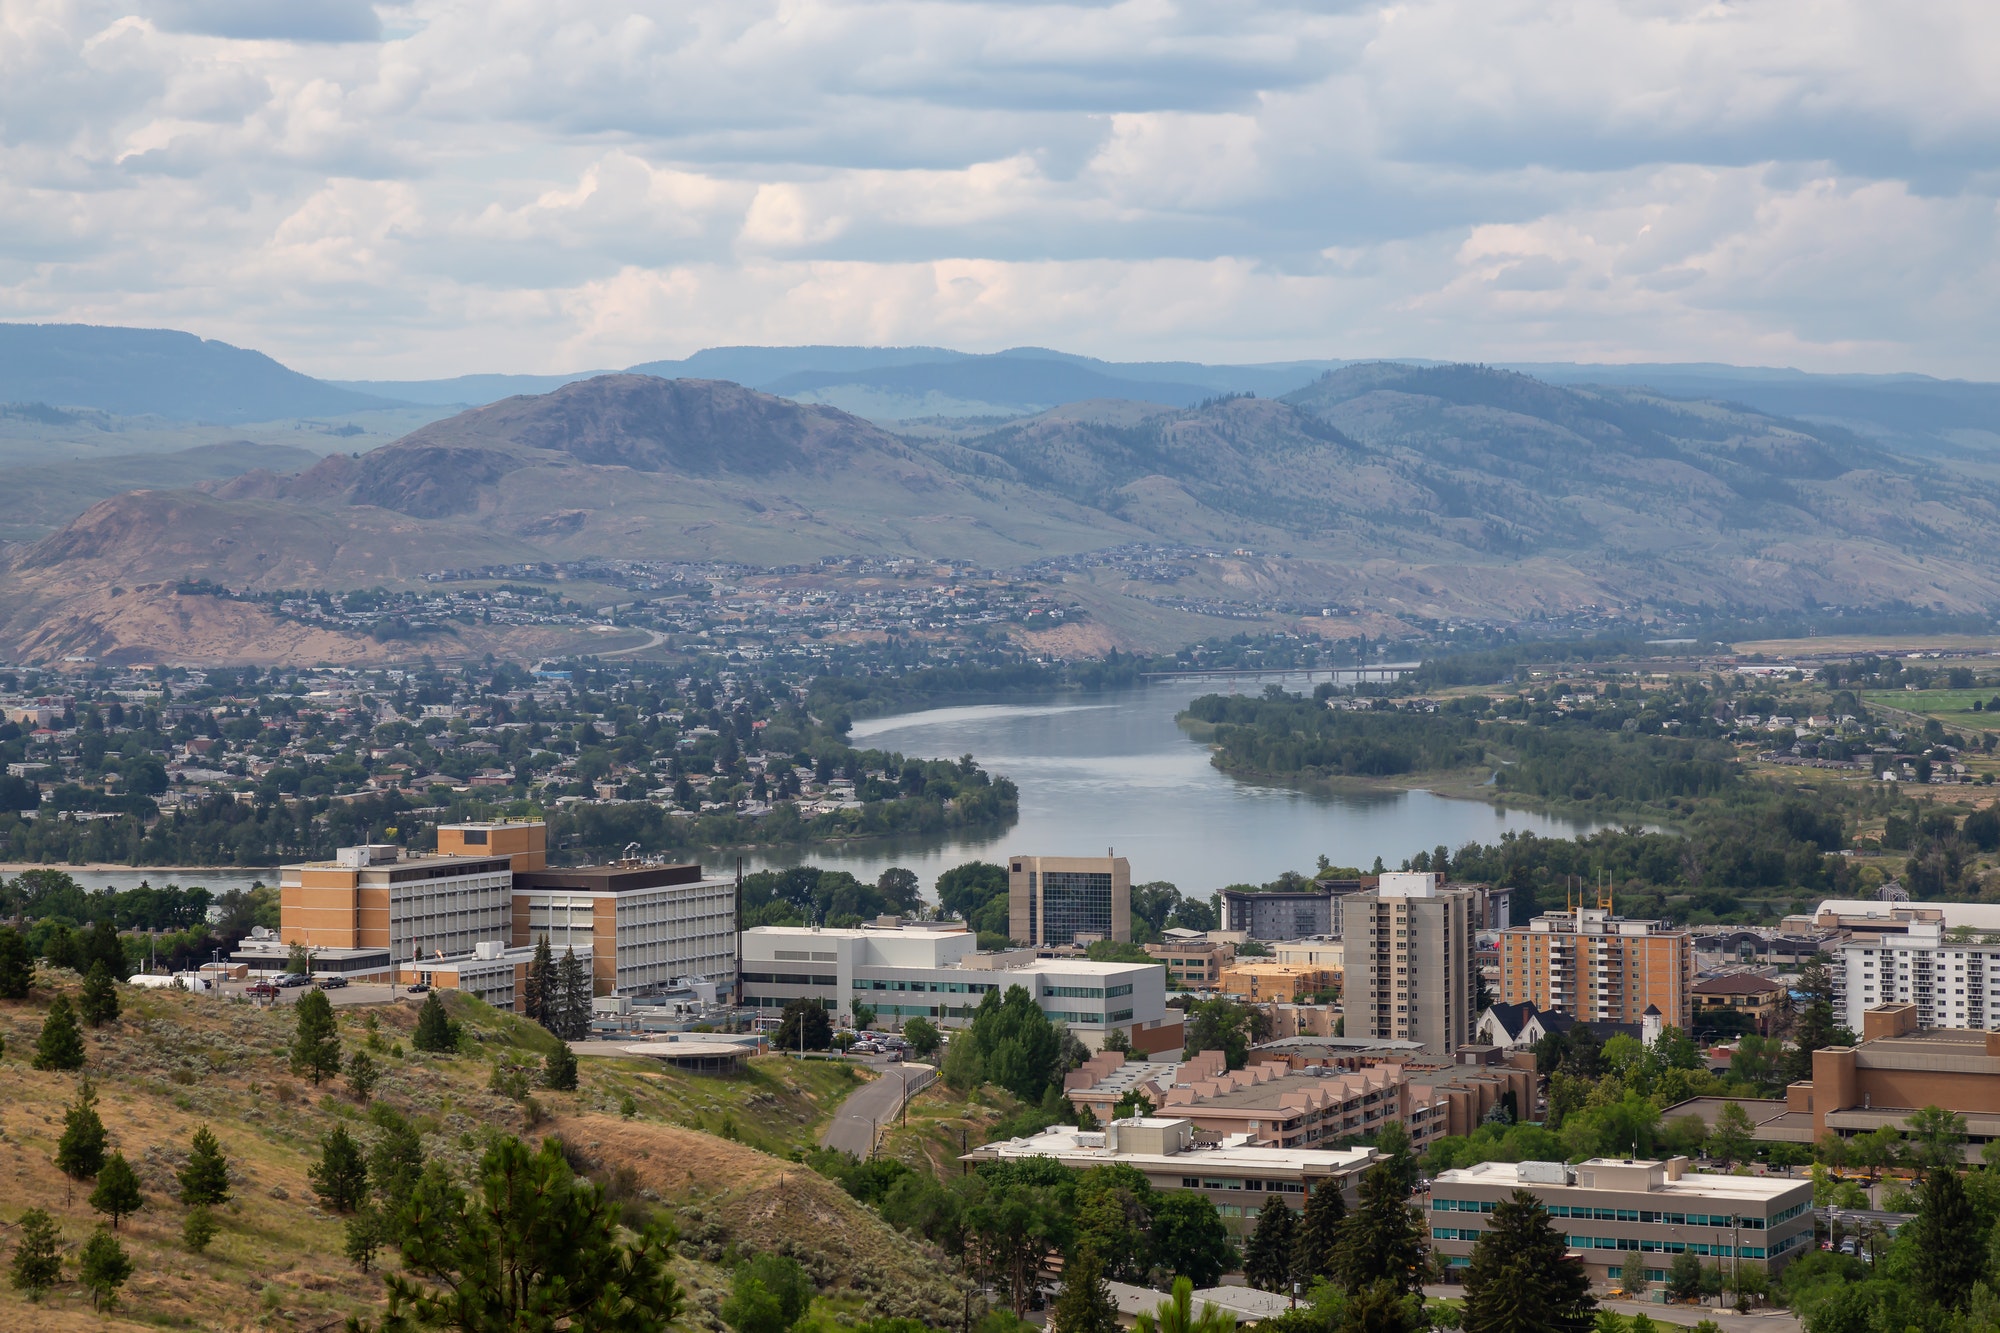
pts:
[1411, 967]
[1054, 899]
[646, 926]
[923, 971]
[1289, 914]
[1599, 967]
[524, 842]
[1898, 1068]
[1323, 951]
[1892, 916]
[1193, 964]
[1283, 983]
[1302, 1020]
[1950, 974]
[489, 970]
[1620, 1215]
[374, 898]
[1237, 1177]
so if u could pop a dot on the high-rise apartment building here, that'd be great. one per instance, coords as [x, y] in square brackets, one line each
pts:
[1053, 899]
[1599, 967]
[1412, 967]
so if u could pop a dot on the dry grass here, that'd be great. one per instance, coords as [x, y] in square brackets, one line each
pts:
[175, 1061]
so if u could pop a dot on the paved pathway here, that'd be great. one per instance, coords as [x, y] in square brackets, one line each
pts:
[868, 1106]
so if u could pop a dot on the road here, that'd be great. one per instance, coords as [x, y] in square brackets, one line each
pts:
[1685, 1316]
[868, 1106]
[654, 640]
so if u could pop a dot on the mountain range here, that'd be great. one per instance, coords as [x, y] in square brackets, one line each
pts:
[1390, 489]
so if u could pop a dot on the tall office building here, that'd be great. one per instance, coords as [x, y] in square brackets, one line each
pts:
[1599, 967]
[1053, 899]
[1412, 967]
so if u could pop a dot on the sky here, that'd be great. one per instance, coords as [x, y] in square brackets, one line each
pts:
[447, 187]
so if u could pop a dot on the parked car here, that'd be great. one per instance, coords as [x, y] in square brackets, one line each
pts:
[291, 979]
[260, 988]
[419, 988]
[864, 1048]
[331, 983]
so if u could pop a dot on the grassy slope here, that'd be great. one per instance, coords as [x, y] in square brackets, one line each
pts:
[174, 1061]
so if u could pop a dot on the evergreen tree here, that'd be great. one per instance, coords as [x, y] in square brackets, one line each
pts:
[103, 1268]
[99, 1001]
[395, 1162]
[101, 944]
[362, 1075]
[198, 1230]
[364, 1236]
[435, 1032]
[37, 1254]
[573, 990]
[117, 1193]
[1521, 1280]
[1190, 1239]
[1267, 1257]
[17, 970]
[80, 1150]
[1684, 1277]
[541, 983]
[1084, 1304]
[1381, 1307]
[804, 1025]
[205, 1176]
[559, 1074]
[341, 1176]
[60, 1045]
[1318, 1237]
[530, 1247]
[316, 1044]
[1946, 1257]
[1813, 1024]
[1383, 1239]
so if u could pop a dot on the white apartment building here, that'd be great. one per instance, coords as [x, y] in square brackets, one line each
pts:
[1947, 973]
[922, 971]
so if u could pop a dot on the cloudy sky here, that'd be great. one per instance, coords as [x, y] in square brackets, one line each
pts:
[451, 186]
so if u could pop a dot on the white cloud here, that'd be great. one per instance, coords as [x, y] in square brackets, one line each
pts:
[439, 186]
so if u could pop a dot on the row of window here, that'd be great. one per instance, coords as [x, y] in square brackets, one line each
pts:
[1267, 1186]
[925, 987]
[1625, 1214]
[790, 979]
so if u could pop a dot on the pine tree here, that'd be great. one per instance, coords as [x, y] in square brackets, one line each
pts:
[341, 1177]
[395, 1163]
[205, 1176]
[362, 1074]
[103, 1268]
[364, 1236]
[101, 944]
[1946, 1257]
[434, 1030]
[198, 1230]
[80, 1150]
[573, 989]
[60, 1046]
[99, 1001]
[1521, 1279]
[37, 1254]
[1383, 1239]
[117, 1192]
[1084, 1304]
[17, 970]
[316, 1044]
[1267, 1257]
[541, 984]
[1813, 1025]
[559, 1074]
[1318, 1238]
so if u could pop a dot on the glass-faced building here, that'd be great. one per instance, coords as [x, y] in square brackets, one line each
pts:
[1054, 899]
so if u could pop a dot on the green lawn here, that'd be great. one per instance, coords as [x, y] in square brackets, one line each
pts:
[1952, 707]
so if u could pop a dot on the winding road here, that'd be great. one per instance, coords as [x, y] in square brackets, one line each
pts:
[871, 1105]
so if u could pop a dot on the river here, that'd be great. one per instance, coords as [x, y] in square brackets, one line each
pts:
[1111, 772]
[1118, 772]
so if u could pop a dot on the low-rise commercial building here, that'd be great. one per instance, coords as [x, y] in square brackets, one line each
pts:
[1897, 1069]
[1195, 964]
[924, 971]
[1321, 951]
[1621, 1216]
[1279, 983]
[1172, 1155]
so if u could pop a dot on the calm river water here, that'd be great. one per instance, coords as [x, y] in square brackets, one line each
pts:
[1117, 773]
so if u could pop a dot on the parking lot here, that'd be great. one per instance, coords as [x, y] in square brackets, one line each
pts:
[342, 997]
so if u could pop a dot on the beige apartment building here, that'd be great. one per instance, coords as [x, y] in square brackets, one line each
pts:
[1051, 900]
[1193, 964]
[1411, 964]
[1600, 968]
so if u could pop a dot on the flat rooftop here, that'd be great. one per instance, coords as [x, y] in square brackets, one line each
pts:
[608, 879]
[1751, 1189]
[1086, 1147]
